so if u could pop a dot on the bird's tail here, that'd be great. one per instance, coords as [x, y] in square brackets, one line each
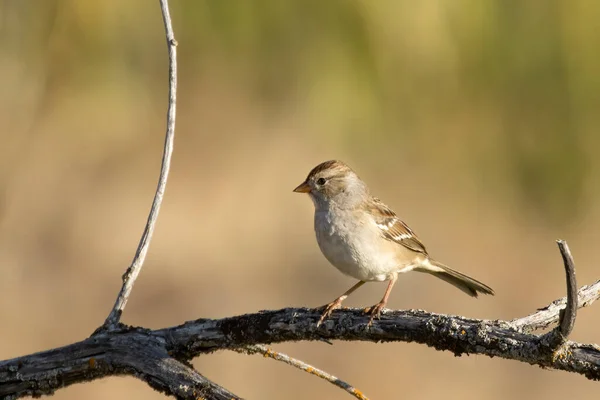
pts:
[465, 283]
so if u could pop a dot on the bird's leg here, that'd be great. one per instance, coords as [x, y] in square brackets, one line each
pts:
[338, 302]
[375, 311]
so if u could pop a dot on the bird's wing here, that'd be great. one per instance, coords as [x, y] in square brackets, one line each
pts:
[394, 229]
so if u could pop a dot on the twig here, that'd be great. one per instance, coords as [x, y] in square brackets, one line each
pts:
[567, 318]
[140, 255]
[549, 314]
[267, 352]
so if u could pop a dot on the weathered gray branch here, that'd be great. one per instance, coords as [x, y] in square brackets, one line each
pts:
[134, 269]
[148, 354]
[143, 356]
[548, 315]
[563, 310]
[443, 332]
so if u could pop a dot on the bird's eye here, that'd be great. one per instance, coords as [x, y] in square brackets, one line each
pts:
[321, 181]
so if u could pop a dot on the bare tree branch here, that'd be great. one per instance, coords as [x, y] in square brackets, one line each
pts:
[567, 318]
[142, 356]
[443, 332]
[549, 314]
[151, 354]
[140, 255]
[301, 365]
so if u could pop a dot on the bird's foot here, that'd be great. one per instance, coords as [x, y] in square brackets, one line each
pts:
[334, 305]
[375, 311]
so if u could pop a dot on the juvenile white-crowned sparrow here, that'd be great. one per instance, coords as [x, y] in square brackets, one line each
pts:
[363, 238]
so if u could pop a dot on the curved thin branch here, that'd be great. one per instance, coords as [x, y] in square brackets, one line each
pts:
[567, 318]
[140, 255]
[301, 365]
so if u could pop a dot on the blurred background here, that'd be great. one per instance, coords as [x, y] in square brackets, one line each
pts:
[475, 120]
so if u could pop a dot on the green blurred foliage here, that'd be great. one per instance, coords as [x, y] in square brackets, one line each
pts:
[509, 88]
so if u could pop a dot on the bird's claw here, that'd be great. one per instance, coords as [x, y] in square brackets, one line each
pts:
[329, 308]
[375, 312]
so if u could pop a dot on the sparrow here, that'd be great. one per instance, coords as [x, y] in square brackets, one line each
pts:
[363, 238]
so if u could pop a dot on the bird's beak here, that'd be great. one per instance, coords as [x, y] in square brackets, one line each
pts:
[302, 188]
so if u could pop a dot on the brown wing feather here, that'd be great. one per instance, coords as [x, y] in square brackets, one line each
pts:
[395, 229]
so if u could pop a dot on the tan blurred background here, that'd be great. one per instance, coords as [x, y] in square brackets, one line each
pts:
[475, 120]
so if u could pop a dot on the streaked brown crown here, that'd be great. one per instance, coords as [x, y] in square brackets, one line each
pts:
[333, 168]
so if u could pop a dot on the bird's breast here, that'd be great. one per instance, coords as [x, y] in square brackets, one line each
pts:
[351, 244]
